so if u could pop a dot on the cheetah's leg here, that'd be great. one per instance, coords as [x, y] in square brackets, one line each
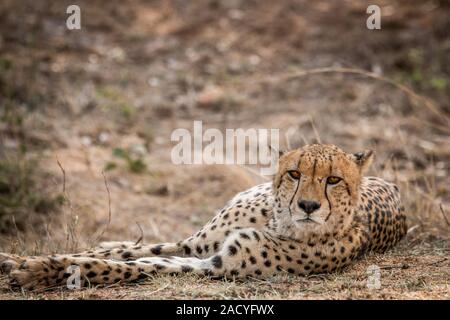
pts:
[128, 251]
[238, 258]
[47, 272]
[8, 262]
[245, 252]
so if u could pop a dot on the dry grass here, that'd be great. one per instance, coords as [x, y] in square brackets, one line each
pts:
[126, 83]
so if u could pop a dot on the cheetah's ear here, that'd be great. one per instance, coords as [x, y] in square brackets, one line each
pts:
[363, 159]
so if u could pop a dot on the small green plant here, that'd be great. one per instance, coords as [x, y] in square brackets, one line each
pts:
[439, 83]
[110, 165]
[423, 73]
[115, 100]
[5, 64]
[134, 163]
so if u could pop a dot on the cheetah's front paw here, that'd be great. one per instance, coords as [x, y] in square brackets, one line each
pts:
[36, 273]
[9, 262]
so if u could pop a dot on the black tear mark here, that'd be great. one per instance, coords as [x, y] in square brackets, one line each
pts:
[329, 203]
[296, 189]
[348, 189]
[314, 168]
[326, 185]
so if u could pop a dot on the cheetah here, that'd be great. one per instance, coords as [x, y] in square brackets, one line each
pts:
[318, 215]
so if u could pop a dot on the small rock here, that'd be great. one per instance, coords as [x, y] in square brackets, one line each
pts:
[86, 141]
[158, 190]
[154, 82]
[103, 137]
[210, 97]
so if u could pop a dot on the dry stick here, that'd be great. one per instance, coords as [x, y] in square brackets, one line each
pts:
[109, 208]
[432, 200]
[316, 133]
[70, 227]
[444, 214]
[400, 266]
[142, 234]
[47, 232]
[21, 242]
[302, 73]
[157, 290]
[287, 136]
[64, 194]
[428, 103]
[436, 262]
[406, 266]
[444, 128]
[109, 197]
[64, 174]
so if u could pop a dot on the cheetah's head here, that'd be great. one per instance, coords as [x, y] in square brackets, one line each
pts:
[317, 186]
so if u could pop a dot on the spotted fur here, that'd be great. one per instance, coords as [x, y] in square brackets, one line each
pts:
[318, 215]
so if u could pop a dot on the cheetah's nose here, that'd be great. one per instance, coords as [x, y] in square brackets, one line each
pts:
[308, 206]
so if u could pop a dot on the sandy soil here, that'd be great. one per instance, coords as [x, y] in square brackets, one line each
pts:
[137, 70]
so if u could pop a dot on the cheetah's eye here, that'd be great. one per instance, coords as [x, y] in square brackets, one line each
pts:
[294, 174]
[333, 180]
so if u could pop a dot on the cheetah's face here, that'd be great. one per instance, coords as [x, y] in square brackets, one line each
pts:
[317, 186]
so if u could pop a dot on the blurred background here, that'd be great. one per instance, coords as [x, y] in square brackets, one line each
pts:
[106, 98]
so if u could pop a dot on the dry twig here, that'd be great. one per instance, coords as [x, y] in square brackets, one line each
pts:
[436, 262]
[64, 175]
[109, 209]
[428, 103]
[396, 266]
[444, 214]
[141, 236]
[71, 225]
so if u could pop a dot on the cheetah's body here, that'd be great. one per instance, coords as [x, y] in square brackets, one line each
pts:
[256, 233]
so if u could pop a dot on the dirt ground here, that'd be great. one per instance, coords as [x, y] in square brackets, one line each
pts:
[106, 98]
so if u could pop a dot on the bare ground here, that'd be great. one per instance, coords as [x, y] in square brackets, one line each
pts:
[138, 70]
